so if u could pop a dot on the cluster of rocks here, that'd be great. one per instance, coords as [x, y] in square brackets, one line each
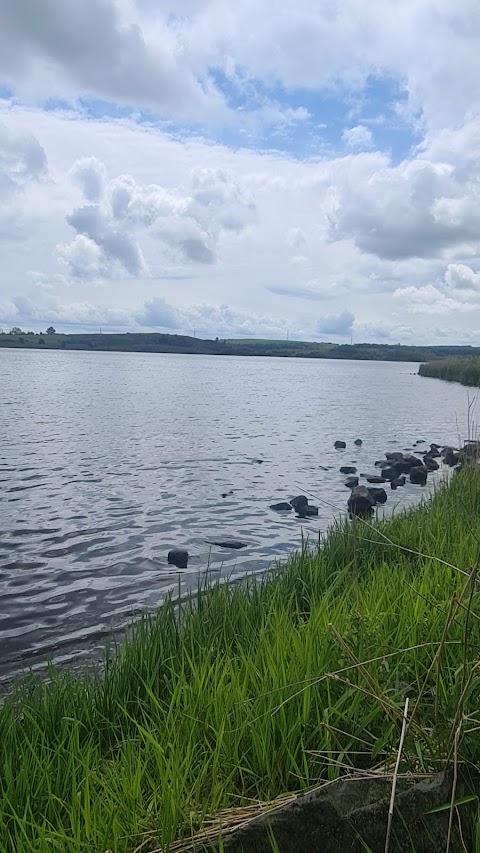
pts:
[394, 469]
[299, 504]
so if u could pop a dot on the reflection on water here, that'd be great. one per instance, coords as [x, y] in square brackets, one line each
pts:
[107, 460]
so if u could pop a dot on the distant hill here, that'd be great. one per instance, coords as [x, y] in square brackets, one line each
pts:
[158, 342]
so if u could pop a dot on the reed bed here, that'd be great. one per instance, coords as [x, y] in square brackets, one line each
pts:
[465, 370]
[247, 693]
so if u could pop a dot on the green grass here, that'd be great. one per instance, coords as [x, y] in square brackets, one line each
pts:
[247, 691]
[465, 370]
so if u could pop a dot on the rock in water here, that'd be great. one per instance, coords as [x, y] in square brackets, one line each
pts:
[413, 461]
[390, 473]
[178, 557]
[281, 507]
[340, 445]
[430, 463]
[307, 511]
[348, 469]
[451, 457]
[351, 482]
[379, 495]
[358, 442]
[227, 543]
[375, 479]
[360, 501]
[299, 501]
[418, 475]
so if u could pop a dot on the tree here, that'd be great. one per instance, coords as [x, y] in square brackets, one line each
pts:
[50, 330]
[15, 330]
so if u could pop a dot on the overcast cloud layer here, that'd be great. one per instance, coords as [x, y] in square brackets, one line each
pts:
[242, 169]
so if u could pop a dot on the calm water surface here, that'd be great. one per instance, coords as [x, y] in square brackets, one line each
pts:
[107, 460]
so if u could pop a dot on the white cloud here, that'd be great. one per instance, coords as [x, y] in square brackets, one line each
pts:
[188, 222]
[95, 47]
[22, 159]
[459, 277]
[314, 290]
[161, 55]
[358, 137]
[138, 214]
[157, 312]
[458, 291]
[420, 208]
[336, 324]
[90, 174]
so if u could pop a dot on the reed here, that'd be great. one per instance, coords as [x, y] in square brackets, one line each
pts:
[465, 370]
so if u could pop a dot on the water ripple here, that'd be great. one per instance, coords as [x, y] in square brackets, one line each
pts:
[109, 460]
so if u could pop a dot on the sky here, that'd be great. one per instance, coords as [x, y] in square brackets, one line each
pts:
[255, 169]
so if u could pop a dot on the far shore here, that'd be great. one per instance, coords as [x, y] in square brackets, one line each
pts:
[158, 342]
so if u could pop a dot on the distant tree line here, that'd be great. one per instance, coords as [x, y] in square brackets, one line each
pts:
[171, 343]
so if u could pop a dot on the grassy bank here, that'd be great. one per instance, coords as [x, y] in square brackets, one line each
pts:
[189, 345]
[465, 370]
[252, 692]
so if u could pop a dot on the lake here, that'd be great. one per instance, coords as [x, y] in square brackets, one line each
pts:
[107, 460]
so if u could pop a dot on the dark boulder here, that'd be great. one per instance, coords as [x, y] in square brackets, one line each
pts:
[178, 557]
[451, 457]
[434, 451]
[340, 445]
[471, 449]
[352, 815]
[283, 506]
[351, 482]
[430, 463]
[358, 442]
[348, 469]
[376, 479]
[413, 461]
[403, 466]
[307, 511]
[299, 501]
[378, 495]
[382, 463]
[418, 475]
[394, 455]
[400, 481]
[390, 473]
[236, 544]
[360, 502]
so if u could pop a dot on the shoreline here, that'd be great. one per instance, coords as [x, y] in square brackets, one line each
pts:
[184, 344]
[251, 691]
[465, 370]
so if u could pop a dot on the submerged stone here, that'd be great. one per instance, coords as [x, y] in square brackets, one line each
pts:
[178, 557]
[227, 543]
